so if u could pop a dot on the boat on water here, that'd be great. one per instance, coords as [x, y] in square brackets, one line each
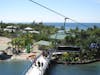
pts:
[4, 55]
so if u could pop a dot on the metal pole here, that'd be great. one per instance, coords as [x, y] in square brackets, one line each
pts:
[65, 23]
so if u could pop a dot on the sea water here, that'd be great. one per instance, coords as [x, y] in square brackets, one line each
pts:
[13, 67]
[86, 69]
[74, 25]
[19, 67]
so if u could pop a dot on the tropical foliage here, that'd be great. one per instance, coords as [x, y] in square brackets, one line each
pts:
[82, 38]
[20, 40]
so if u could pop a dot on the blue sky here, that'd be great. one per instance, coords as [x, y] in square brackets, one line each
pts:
[25, 11]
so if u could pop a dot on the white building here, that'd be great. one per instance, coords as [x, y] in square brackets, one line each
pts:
[10, 28]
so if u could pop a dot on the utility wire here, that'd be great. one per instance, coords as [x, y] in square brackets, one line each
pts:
[57, 13]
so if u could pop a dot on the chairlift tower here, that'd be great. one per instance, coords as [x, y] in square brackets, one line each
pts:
[54, 11]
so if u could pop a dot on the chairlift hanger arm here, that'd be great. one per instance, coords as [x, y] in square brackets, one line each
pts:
[57, 13]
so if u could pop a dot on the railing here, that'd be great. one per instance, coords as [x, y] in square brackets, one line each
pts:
[42, 70]
[30, 66]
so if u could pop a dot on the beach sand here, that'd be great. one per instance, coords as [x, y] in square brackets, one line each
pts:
[26, 56]
[4, 43]
[22, 56]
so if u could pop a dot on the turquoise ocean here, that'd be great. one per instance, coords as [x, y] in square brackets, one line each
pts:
[74, 25]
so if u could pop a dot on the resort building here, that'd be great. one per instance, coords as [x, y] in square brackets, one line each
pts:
[11, 28]
[30, 30]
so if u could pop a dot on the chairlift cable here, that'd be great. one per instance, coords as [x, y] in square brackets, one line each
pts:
[48, 8]
[57, 13]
